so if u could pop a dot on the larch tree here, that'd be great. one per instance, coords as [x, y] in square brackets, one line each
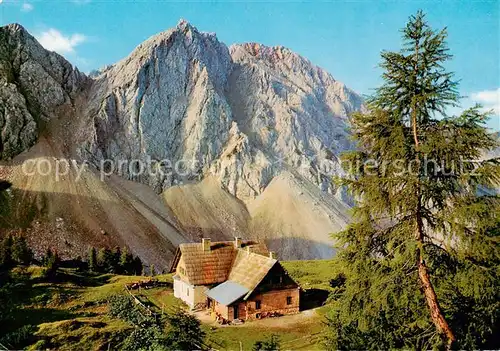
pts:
[424, 228]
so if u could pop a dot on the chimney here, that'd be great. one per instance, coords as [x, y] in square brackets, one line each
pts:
[237, 242]
[272, 255]
[205, 243]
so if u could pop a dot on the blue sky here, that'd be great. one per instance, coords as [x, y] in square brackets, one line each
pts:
[344, 37]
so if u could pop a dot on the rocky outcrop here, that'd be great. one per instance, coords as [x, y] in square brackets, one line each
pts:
[33, 84]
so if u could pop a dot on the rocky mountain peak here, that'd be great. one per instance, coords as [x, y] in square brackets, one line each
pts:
[15, 27]
[184, 26]
[183, 95]
[262, 51]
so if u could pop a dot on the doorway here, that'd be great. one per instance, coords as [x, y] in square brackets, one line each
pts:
[235, 312]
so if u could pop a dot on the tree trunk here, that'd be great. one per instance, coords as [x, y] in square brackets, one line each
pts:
[432, 303]
[423, 272]
[429, 292]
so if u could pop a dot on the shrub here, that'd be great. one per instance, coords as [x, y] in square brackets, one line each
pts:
[20, 337]
[150, 338]
[121, 306]
[184, 331]
[272, 343]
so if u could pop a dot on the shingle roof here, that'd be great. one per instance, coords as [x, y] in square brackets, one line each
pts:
[212, 267]
[227, 292]
[249, 269]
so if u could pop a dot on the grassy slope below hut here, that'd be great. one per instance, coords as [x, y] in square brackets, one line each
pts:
[71, 314]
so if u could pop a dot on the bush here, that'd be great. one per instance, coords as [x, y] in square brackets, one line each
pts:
[272, 343]
[184, 331]
[146, 339]
[338, 281]
[122, 307]
[20, 337]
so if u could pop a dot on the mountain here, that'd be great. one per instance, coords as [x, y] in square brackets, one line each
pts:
[194, 139]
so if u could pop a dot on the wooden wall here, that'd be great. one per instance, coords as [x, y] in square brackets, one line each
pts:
[272, 293]
[273, 301]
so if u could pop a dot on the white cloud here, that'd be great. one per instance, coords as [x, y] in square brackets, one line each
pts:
[490, 99]
[26, 7]
[55, 41]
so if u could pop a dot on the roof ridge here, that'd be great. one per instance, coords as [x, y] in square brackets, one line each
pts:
[255, 253]
[243, 241]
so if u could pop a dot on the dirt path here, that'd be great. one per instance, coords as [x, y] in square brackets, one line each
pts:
[288, 322]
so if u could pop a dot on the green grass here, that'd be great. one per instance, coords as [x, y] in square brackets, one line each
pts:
[162, 299]
[91, 333]
[313, 274]
[306, 336]
[71, 314]
[111, 285]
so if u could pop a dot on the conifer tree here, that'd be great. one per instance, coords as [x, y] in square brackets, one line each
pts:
[138, 268]
[5, 220]
[115, 260]
[419, 222]
[52, 263]
[21, 253]
[127, 262]
[93, 260]
[105, 260]
[6, 252]
[47, 257]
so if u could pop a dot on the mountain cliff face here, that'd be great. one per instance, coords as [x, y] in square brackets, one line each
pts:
[33, 84]
[165, 101]
[242, 114]
[239, 130]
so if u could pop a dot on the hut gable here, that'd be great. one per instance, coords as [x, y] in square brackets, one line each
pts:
[250, 268]
[276, 278]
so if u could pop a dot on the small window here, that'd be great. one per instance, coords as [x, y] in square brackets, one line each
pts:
[257, 305]
[288, 300]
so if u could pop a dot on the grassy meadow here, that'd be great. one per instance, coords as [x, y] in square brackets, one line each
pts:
[71, 313]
